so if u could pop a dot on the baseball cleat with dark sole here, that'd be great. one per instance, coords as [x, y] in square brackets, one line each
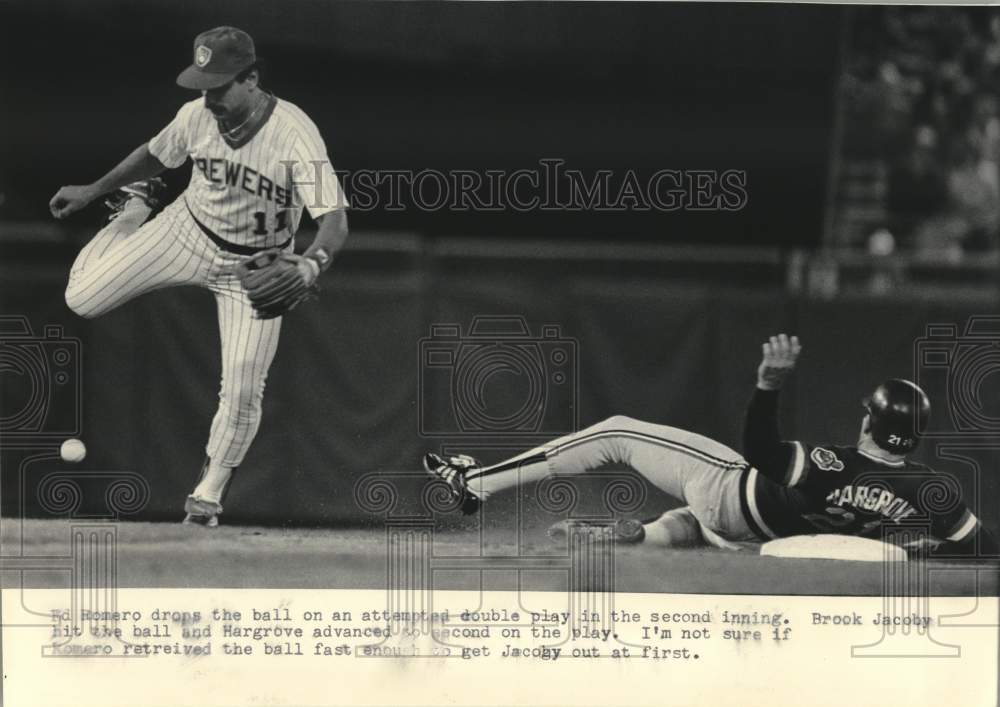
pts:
[625, 531]
[452, 471]
[201, 512]
[203, 521]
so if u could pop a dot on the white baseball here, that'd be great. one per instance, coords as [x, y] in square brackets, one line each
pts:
[72, 450]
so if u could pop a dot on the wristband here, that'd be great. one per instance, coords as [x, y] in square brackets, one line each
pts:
[314, 267]
[321, 258]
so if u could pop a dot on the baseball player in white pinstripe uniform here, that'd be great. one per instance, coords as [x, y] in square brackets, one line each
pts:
[258, 160]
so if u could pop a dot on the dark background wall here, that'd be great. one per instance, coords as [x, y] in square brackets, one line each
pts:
[350, 391]
[411, 85]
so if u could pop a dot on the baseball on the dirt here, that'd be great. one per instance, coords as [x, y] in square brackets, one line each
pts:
[72, 450]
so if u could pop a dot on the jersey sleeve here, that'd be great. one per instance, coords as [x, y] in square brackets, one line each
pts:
[802, 463]
[170, 145]
[763, 447]
[962, 534]
[799, 464]
[313, 177]
[950, 519]
[939, 498]
[957, 526]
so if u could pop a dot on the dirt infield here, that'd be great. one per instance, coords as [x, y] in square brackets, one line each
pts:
[38, 553]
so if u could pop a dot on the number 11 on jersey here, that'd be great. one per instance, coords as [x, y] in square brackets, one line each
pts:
[280, 221]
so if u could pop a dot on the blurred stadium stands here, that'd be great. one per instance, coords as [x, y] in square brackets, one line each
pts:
[918, 164]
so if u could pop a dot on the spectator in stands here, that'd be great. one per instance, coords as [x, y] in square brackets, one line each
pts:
[991, 51]
[984, 136]
[918, 191]
[937, 80]
[974, 197]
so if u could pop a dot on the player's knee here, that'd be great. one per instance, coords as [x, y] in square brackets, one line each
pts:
[244, 391]
[618, 422]
[81, 305]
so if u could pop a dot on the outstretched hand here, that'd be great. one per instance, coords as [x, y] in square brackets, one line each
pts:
[71, 199]
[780, 354]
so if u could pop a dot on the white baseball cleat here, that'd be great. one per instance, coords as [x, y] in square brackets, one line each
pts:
[201, 512]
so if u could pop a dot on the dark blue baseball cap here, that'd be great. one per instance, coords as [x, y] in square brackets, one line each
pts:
[220, 54]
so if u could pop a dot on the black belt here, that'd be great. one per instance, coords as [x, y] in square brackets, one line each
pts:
[226, 245]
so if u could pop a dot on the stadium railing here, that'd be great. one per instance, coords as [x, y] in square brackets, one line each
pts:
[821, 273]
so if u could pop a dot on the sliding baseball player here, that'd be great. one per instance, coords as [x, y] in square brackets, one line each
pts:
[775, 489]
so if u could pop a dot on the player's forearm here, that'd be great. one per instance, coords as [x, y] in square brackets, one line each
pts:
[760, 426]
[762, 446]
[139, 165]
[978, 544]
[982, 541]
[329, 239]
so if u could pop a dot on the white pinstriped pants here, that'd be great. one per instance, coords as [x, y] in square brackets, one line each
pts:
[698, 471]
[121, 263]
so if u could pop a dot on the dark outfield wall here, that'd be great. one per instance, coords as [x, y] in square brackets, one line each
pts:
[470, 86]
[354, 390]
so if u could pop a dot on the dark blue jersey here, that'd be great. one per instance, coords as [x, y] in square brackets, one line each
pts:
[833, 489]
[795, 488]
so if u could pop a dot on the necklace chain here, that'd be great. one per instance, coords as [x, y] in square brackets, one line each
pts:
[253, 114]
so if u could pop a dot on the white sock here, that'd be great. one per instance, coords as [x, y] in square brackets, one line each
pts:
[676, 528]
[656, 534]
[486, 484]
[211, 486]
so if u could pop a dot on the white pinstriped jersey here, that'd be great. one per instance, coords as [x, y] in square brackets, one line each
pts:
[252, 195]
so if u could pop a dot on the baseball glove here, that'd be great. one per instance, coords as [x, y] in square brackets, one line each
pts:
[275, 282]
